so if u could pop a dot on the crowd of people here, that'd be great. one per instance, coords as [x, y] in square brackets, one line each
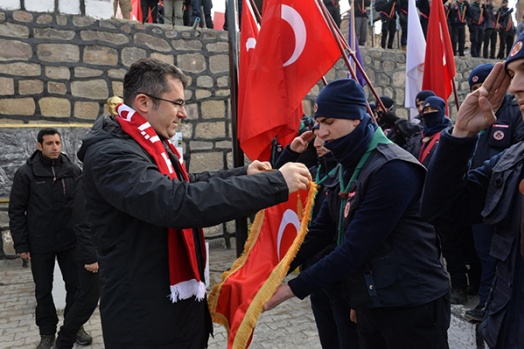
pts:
[126, 229]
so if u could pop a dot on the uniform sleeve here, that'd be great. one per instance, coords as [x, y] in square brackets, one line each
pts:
[133, 184]
[391, 191]
[454, 194]
[18, 204]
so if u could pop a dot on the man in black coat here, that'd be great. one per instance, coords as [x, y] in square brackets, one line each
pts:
[40, 207]
[146, 210]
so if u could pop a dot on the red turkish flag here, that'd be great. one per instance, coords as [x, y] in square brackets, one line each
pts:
[136, 10]
[439, 64]
[248, 40]
[295, 49]
[277, 232]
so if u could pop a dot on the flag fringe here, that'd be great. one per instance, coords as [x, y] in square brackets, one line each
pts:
[278, 274]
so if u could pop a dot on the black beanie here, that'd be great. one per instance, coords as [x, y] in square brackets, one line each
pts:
[341, 99]
[479, 74]
[516, 51]
[422, 95]
[388, 102]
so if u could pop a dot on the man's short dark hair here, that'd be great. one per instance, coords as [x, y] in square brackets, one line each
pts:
[47, 132]
[148, 75]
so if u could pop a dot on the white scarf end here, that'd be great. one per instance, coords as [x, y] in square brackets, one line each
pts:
[187, 289]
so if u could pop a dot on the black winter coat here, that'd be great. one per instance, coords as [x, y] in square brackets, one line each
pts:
[131, 205]
[40, 205]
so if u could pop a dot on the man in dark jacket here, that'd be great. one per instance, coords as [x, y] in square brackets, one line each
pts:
[458, 12]
[476, 26]
[493, 194]
[145, 208]
[40, 206]
[506, 29]
[388, 16]
[387, 256]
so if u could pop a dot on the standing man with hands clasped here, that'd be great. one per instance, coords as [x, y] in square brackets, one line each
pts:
[492, 194]
[387, 259]
[146, 212]
[40, 212]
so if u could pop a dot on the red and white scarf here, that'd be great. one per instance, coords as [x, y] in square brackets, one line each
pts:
[184, 276]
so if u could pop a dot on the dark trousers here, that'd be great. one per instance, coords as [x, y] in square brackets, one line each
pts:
[42, 267]
[404, 27]
[149, 8]
[207, 5]
[458, 39]
[389, 28]
[482, 234]
[490, 41]
[475, 36]
[331, 312]
[424, 326]
[505, 44]
[86, 300]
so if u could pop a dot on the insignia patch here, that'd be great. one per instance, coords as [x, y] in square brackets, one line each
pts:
[498, 135]
[516, 49]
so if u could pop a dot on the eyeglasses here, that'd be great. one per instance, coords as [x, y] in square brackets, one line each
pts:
[179, 103]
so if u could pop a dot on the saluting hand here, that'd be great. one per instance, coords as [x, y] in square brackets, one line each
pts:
[477, 112]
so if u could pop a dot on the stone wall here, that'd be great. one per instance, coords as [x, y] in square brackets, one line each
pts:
[60, 68]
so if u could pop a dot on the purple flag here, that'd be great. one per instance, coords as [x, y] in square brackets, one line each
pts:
[353, 44]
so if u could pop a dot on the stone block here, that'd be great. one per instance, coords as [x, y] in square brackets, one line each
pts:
[201, 162]
[117, 73]
[153, 42]
[219, 63]
[62, 53]
[58, 73]
[20, 69]
[83, 72]
[17, 106]
[44, 19]
[191, 62]
[55, 107]
[130, 55]
[118, 88]
[187, 45]
[218, 47]
[168, 58]
[213, 109]
[223, 81]
[200, 145]
[204, 81]
[192, 111]
[210, 130]
[30, 87]
[14, 30]
[97, 35]
[388, 66]
[83, 21]
[7, 86]
[223, 145]
[54, 34]
[61, 20]
[55, 87]
[92, 89]
[100, 55]
[201, 94]
[24, 16]
[15, 50]
[399, 78]
[86, 110]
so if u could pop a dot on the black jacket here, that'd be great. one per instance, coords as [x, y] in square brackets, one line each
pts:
[456, 194]
[40, 205]
[388, 259]
[131, 205]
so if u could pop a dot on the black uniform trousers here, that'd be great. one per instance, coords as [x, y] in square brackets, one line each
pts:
[505, 43]
[490, 41]
[458, 39]
[424, 326]
[389, 28]
[476, 33]
[42, 267]
[86, 300]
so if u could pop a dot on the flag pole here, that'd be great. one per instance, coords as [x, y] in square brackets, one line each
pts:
[238, 154]
[455, 93]
[342, 44]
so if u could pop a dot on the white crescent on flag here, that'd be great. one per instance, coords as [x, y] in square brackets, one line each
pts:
[291, 16]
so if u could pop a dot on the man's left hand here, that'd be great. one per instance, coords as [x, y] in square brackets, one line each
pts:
[282, 294]
[258, 166]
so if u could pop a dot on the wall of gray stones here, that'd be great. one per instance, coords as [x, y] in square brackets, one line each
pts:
[60, 68]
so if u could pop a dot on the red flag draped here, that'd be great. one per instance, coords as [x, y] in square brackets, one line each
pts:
[277, 232]
[439, 65]
[295, 49]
